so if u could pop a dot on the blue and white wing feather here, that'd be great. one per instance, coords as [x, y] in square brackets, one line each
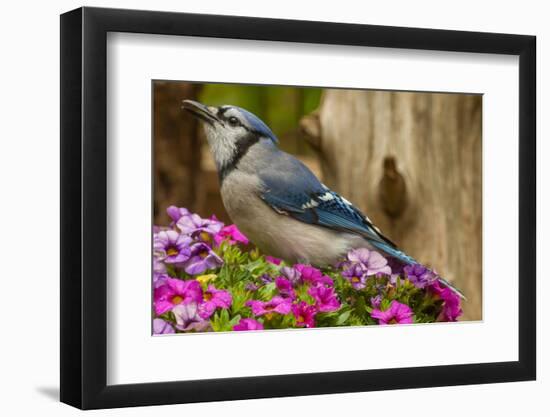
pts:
[293, 190]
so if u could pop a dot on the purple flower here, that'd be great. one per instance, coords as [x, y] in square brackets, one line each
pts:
[325, 298]
[451, 309]
[161, 326]
[231, 234]
[159, 279]
[248, 324]
[275, 305]
[304, 314]
[419, 275]
[172, 247]
[397, 313]
[195, 226]
[188, 318]
[356, 275]
[285, 288]
[375, 301]
[266, 279]
[273, 260]
[158, 266]
[213, 299]
[176, 213]
[175, 292]
[202, 258]
[372, 262]
[292, 274]
[250, 286]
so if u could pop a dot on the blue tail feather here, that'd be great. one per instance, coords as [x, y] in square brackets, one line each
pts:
[408, 260]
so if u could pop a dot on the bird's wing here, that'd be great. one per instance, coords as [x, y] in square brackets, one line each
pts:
[290, 188]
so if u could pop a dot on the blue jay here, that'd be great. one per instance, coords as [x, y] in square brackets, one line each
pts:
[276, 201]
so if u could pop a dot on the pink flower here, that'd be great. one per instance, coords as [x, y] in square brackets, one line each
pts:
[248, 324]
[451, 309]
[232, 234]
[398, 313]
[175, 292]
[213, 299]
[273, 260]
[275, 305]
[304, 314]
[285, 288]
[325, 298]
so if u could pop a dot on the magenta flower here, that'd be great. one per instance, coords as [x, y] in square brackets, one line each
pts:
[161, 326]
[188, 318]
[304, 314]
[273, 260]
[356, 275]
[175, 292]
[213, 299]
[277, 304]
[248, 324]
[451, 309]
[231, 234]
[325, 298]
[172, 247]
[195, 226]
[308, 273]
[202, 258]
[285, 288]
[176, 213]
[419, 275]
[371, 261]
[312, 276]
[397, 313]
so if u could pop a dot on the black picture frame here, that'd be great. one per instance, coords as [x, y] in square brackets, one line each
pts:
[84, 207]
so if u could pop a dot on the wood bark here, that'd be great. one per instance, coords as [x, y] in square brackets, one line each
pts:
[412, 163]
[176, 148]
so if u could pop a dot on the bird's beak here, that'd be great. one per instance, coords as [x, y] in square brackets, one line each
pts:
[205, 113]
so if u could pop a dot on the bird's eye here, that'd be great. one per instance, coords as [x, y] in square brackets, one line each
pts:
[233, 121]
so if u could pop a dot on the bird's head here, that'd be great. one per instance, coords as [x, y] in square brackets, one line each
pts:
[231, 131]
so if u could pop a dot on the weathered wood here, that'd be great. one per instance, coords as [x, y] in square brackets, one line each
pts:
[373, 144]
[176, 148]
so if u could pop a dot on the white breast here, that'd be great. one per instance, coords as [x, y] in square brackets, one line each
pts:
[277, 234]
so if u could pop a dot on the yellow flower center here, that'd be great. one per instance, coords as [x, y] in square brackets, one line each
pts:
[392, 321]
[205, 237]
[207, 296]
[176, 299]
[300, 319]
[203, 254]
[172, 251]
[355, 279]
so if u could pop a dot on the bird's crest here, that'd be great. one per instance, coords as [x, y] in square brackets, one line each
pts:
[257, 124]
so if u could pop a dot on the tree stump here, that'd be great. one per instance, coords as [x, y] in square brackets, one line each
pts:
[412, 162]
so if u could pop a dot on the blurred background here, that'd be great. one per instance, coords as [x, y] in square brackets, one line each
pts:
[411, 161]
